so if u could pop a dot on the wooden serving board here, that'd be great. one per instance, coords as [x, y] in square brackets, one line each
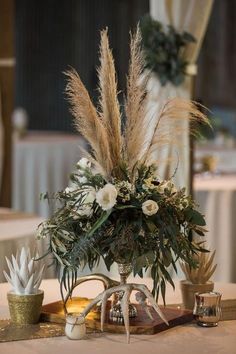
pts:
[139, 325]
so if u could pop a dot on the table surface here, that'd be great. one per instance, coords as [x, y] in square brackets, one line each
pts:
[41, 137]
[18, 229]
[216, 197]
[182, 339]
[225, 157]
[209, 182]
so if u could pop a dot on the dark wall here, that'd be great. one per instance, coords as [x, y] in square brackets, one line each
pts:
[216, 80]
[51, 35]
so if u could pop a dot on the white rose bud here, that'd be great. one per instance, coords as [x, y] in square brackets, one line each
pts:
[150, 207]
[70, 190]
[82, 180]
[162, 186]
[83, 163]
[106, 196]
[167, 185]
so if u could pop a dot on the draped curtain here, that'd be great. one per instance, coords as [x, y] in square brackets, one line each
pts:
[184, 15]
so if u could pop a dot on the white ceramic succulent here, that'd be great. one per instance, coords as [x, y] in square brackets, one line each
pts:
[25, 273]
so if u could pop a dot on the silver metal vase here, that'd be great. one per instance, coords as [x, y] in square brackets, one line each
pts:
[116, 314]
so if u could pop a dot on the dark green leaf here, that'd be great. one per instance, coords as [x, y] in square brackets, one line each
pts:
[99, 222]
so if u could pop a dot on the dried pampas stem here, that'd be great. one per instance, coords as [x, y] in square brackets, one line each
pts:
[87, 121]
[143, 134]
[109, 105]
[177, 116]
[135, 105]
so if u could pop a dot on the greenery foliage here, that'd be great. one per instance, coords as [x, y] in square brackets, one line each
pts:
[146, 222]
[116, 208]
[163, 49]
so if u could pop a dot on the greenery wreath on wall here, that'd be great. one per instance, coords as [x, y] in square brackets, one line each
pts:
[163, 48]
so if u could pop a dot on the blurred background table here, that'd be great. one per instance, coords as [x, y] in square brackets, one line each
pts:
[225, 156]
[216, 195]
[42, 162]
[18, 230]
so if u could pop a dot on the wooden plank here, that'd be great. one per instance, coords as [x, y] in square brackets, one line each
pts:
[141, 324]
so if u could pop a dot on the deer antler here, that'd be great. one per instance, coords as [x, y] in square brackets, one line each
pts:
[127, 290]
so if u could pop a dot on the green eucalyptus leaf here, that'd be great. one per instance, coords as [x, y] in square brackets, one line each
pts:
[122, 207]
[163, 290]
[58, 258]
[195, 217]
[167, 258]
[99, 222]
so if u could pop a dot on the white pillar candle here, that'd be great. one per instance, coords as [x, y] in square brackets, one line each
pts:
[75, 326]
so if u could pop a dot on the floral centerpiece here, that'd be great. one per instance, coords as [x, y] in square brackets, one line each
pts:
[117, 207]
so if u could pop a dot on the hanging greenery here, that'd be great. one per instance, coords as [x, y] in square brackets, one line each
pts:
[163, 48]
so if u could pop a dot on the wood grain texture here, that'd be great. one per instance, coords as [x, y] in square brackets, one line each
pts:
[140, 325]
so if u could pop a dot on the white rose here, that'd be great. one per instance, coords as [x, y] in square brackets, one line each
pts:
[106, 196]
[83, 163]
[150, 207]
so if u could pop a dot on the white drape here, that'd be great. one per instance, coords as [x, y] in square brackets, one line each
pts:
[184, 15]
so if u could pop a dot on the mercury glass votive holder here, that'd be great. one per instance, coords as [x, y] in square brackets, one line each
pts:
[207, 309]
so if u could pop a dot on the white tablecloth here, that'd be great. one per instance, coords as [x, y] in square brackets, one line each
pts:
[217, 199]
[182, 339]
[42, 162]
[19, 232]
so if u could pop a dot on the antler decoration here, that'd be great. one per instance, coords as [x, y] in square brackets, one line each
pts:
[127, 290]
[111, 288]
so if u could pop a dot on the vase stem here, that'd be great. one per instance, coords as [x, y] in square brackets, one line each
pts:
[124, 270]
[116, 314]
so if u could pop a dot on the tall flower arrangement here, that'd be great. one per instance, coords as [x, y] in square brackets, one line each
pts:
[117, 208]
